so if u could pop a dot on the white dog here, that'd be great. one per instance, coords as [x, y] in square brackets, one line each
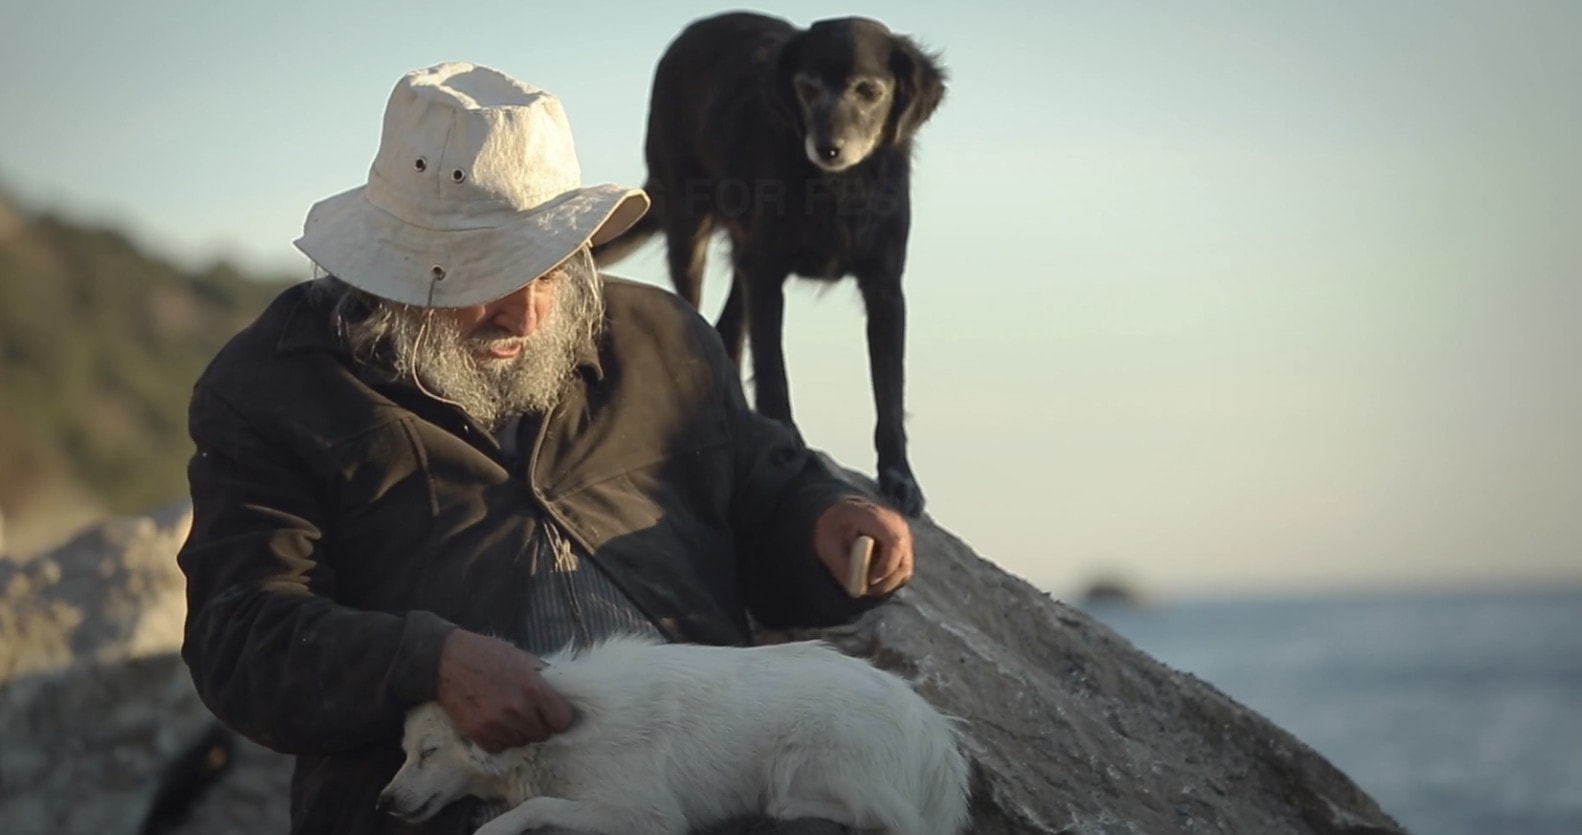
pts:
[673, 737]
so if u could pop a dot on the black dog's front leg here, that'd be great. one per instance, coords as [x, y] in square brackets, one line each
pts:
[886, 311]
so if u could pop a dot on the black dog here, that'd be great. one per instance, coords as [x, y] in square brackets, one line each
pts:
[797, 143]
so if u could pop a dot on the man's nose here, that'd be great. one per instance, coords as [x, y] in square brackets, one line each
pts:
[514, 313]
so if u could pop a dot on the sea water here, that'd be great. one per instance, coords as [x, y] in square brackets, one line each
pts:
[1461, 714]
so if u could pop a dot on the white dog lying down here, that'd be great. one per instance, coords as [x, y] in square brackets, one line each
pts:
[673, 737]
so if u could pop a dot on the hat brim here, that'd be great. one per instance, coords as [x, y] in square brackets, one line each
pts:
[373, 250]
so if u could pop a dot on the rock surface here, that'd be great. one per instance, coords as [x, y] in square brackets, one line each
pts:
[101, 730]
[1071, 729]
[1074, 731]
[112, 592]
[97, 747]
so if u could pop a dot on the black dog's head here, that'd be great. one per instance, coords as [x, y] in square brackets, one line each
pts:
[850, 86]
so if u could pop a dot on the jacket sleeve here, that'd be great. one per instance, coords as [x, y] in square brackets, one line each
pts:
[781, 488]
[272, 654]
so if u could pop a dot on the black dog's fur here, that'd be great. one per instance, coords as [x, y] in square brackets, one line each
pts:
[740, 105]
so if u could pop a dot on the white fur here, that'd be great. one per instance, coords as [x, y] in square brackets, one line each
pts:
[673, 737]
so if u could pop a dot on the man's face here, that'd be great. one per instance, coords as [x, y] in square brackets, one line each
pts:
[496, 332]
[510, 356]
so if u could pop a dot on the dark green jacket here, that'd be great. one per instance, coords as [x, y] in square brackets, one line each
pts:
[342, 526]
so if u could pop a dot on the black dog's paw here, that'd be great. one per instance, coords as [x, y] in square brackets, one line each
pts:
[900, 488]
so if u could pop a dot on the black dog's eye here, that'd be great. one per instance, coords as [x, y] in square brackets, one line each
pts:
[868, 90]
[805, 89]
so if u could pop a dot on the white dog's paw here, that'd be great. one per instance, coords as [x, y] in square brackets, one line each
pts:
[505, 826]
[529, 815]
[544, 812]
[499, 826]
[576, 816]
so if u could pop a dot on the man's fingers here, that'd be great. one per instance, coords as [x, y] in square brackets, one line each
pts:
[888, 581]
[529, 732]
[491, 737]
[493, 692]
[877, 568]
[521, 729]
[557, 715]
[886, 560]
[849, 526]
[892, 566]
[549, 709]
[887, 584]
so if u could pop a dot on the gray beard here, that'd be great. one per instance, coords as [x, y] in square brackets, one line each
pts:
[446, 362]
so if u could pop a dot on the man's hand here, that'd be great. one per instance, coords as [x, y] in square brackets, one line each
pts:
[494, 694]
[839, 526]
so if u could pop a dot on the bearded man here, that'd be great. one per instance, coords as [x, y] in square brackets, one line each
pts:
[461, 448]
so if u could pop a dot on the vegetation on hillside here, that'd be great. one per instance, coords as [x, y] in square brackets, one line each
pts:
[100, 343]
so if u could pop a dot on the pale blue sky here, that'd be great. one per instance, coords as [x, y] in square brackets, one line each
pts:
[1218, 296]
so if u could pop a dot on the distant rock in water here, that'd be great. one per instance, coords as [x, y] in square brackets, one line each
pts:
[1111, 591]
[1071, 729]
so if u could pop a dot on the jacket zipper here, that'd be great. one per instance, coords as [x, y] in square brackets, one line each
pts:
[569, 530]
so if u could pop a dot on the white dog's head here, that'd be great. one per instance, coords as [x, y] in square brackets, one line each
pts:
[441, 766]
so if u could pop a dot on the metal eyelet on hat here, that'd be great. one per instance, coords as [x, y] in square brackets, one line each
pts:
[438, 272]
[458, 175]
[421, 164]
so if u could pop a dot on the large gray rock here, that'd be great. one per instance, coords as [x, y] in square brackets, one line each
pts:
[1074, 731]
[95, 748]
[111, 593]
[1071, 729]
[101, 730]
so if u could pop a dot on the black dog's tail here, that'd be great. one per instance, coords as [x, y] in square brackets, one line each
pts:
[625, 243]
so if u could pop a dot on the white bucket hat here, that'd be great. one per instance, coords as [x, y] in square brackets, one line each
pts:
[475, 191]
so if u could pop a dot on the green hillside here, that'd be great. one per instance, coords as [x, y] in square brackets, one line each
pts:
[100, 342]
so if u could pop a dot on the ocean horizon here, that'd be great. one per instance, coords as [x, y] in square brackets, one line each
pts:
[1459, 712]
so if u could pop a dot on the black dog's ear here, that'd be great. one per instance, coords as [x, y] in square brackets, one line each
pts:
[780, 86]
[919, 87]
